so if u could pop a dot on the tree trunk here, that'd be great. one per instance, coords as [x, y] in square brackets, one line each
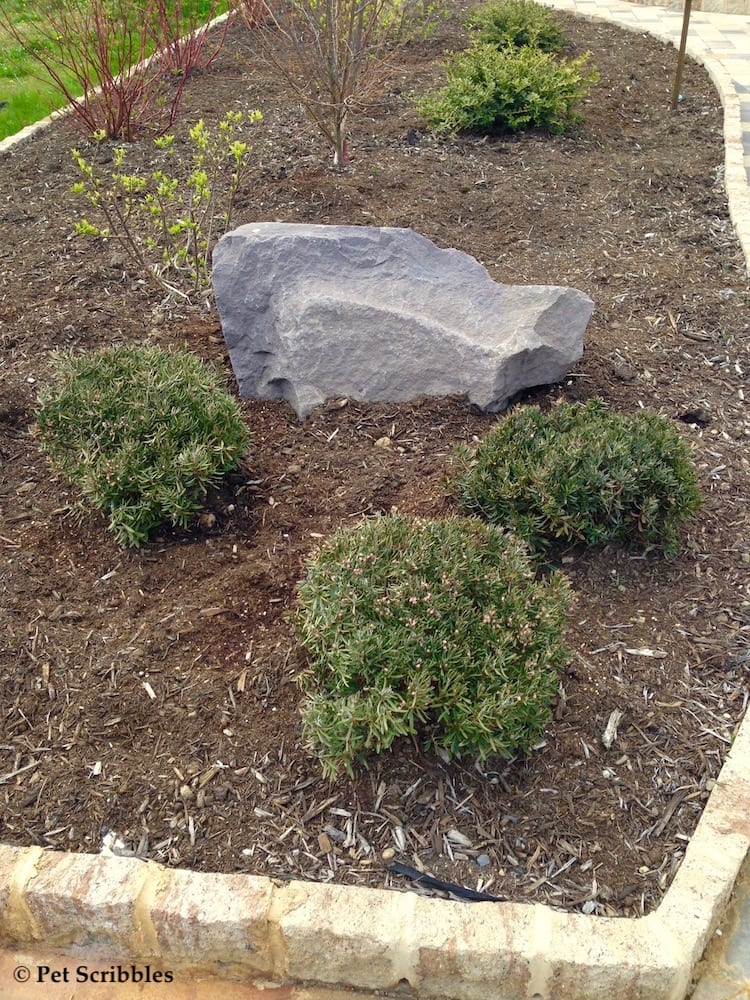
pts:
[340, 145]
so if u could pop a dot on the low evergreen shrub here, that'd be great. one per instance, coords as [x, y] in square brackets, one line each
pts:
[141, 432]
[429, 627]
[516, 23]
[582, 473]
[491, 90]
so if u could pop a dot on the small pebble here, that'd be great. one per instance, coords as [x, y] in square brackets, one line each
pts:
[388, 854]
[483, 860]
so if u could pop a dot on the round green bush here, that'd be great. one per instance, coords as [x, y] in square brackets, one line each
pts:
[516, 23]
[436, 628]
[491, 90]
[141, 432]
[582, 473]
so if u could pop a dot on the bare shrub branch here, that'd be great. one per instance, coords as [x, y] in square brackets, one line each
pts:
[336, 54]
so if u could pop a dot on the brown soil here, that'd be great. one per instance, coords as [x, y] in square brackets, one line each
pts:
[153, 693]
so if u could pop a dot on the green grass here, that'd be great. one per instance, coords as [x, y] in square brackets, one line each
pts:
[26, 96]
[26, 100]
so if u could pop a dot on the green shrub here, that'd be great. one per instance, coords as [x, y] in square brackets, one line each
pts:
[168, 225]
[436, 628]
[141, 432]
[581, 473]
[505, 91]
[516, 23]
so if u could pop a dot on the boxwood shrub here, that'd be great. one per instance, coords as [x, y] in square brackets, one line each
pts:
[516, 23]
[491, 90]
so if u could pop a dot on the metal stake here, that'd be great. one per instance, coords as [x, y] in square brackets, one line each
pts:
[681, 56]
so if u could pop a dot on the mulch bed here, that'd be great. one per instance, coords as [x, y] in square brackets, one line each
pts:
[152, 692]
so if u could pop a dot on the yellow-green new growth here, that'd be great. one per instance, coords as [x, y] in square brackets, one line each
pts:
[169, 224]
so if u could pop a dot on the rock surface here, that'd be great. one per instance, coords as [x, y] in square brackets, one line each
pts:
[310, 312]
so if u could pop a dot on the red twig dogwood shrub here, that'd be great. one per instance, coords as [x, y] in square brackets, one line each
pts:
[104, 58]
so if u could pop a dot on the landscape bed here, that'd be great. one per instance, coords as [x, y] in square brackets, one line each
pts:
[152, 692]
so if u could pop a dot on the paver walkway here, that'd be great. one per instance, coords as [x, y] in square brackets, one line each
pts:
[54, 976]
[725, 969]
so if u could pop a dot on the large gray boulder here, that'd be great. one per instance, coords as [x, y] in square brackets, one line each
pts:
[310, 312]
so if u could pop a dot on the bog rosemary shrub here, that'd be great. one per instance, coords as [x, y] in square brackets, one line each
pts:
[516, 23]
[430, 627]
[491, 90]
[140, 432]
[167, 222]
[582, 473]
